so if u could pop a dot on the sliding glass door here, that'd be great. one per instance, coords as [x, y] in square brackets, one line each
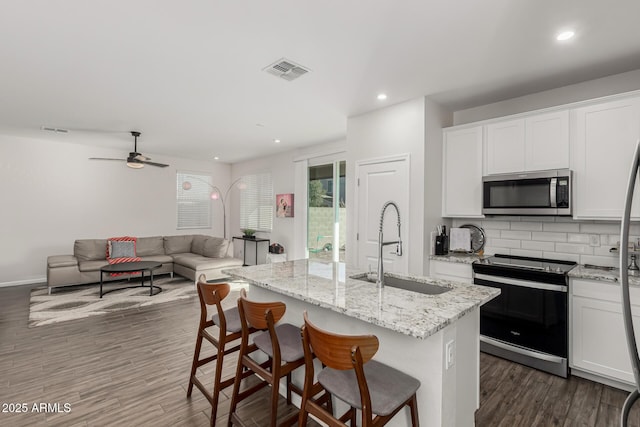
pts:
[327, 211]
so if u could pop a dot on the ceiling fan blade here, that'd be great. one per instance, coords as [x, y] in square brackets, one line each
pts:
[107, 158]
[160, 165]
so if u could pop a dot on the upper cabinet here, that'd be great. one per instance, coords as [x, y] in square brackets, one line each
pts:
[602, 149]
[462, 173]
[533, 143]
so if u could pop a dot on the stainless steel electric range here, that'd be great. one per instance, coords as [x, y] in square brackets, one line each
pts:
[528, 322]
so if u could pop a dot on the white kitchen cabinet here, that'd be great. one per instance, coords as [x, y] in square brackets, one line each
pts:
[462, 173]
[598, 342]
[602, 147]
[505, 149]
[456, 271]
[538, 142]
[547, 141]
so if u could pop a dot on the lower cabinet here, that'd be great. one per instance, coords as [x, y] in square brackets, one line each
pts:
[598, 338]
[455, 271]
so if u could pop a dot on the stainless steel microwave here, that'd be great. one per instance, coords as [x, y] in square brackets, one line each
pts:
[529, 193]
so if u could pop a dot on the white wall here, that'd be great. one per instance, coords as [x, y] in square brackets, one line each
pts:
[611, 85]
[281, 166]
[413, 127]
[52, 195]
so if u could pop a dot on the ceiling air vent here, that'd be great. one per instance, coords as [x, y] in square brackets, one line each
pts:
[286, 69]
[53, 129]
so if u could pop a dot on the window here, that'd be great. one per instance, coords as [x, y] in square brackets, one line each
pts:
[257, 202]
[193, 200]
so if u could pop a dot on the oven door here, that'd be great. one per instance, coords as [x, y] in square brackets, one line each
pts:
[527, 314]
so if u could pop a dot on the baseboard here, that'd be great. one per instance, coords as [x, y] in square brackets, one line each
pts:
[602, 379]
[41, 280]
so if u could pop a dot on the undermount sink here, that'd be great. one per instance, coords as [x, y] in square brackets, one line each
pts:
[406, 284]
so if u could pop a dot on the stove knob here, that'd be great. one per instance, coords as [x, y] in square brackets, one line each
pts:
[558, 270]
[547, 268]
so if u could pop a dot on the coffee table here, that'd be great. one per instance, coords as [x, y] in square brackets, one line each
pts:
[132, 267]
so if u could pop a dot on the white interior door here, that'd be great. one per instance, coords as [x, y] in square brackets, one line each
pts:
[378, 182]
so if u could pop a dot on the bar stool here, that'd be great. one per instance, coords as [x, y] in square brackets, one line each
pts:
[228, 323]
[281, 343]
[378, 390]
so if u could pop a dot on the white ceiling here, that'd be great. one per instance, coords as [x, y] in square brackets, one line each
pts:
[188, 74]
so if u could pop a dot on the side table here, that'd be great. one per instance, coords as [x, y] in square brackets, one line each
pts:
[256, 241]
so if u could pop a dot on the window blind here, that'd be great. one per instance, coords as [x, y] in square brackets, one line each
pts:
[257, 202]
[194, 203]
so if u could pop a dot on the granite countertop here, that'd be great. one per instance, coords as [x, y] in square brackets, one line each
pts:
[582, 272]
[329, 285]
[459, 258]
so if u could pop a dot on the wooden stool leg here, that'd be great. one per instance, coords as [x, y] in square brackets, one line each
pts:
[194, 365]
[413, 405]
[216, 383]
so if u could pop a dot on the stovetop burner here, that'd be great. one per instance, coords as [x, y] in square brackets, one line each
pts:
[527, 263]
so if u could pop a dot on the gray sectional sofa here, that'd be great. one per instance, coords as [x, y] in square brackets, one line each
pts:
[186, 255]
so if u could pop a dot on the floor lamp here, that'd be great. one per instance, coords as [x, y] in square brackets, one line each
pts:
[216, 194]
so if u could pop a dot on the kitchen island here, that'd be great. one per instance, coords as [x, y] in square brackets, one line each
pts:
[434, 338]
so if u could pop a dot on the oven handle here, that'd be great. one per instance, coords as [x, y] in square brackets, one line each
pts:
[523, 283]
[521, 350]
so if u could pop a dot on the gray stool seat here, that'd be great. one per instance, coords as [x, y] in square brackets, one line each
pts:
[232, 317]
[289, 339]
[389, 388]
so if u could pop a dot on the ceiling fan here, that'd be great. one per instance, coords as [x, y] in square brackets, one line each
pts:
[135, 159]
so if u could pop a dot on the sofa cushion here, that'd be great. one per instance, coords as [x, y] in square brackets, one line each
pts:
[197, 244]
[165, 259]
[92, 265]
[55, 261]
[197, 262]
[177, 244]
[90, 249]
[150, 246]
[215, 247]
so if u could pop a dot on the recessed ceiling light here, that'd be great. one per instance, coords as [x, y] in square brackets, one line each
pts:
[565, 35]
[216, 158]
[382, 96]
[277, 141]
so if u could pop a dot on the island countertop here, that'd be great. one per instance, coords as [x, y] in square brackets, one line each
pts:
[330, 285]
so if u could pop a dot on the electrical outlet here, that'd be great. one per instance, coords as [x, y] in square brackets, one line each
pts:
[450, 353]
[594, 240]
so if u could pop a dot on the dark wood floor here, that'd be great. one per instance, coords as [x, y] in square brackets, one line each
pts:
[131, 368]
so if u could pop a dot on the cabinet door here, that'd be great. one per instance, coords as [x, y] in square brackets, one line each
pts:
[456, 271]
[605, 138]
[599, 341]
[462, 173]
[547, 141]
[505, 151]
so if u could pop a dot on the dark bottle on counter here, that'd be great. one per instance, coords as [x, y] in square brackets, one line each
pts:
[442, 242]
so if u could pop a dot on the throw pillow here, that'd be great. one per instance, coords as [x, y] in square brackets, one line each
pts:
[124, 249]
[121, 247]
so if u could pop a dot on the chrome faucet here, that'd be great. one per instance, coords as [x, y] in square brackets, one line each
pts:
[382, 243]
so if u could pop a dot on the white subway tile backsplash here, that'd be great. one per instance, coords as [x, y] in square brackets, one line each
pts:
[561, 256]
[574, 248]
[505, 243]
[539, 246]
[500, 225]
[529, 226]
[560, 238]
[524, 252]
[599, 260]
[600, 228]
[569, 227]
[511, 234]
[578, 238]
[549, 236]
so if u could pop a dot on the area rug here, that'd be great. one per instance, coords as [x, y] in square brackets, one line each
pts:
[77, 302]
